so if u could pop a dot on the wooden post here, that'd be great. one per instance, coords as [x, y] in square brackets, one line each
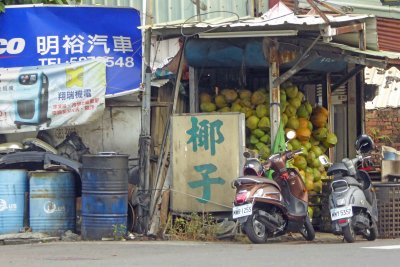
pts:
[160, 179]
[193, 90]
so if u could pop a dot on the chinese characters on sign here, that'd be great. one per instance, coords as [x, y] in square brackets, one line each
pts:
[206, 181]
[205, 134]
[77, 46]
[53, 35]
[39, 98]
[207, 151]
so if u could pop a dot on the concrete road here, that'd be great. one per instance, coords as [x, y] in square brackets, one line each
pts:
[291, 252]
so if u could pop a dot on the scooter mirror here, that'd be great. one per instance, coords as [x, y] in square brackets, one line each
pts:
[290, 135]
[324, 160]
[246, 154]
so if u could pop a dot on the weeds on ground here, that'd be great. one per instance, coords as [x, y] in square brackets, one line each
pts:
[119, 231]
[195, 227]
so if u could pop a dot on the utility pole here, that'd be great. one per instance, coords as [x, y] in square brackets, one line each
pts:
[145, 134]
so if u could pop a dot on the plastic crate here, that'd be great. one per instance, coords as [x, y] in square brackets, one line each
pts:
[388, 196]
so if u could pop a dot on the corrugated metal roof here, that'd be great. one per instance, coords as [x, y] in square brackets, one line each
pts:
[390, 57]
[287, 19]
[389, 87]
[388, 19]
[362, 7]
[180, 10]
[388, 34]
[279, 17]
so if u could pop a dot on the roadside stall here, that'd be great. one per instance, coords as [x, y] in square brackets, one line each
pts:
[301, 72]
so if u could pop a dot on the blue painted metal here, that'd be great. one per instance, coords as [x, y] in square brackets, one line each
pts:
[104, 196]
[13, 185]
[52, 202]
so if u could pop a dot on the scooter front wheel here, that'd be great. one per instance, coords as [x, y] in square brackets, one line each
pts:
[372, 233]
[307, 230]
[348, 233]
[255, 229]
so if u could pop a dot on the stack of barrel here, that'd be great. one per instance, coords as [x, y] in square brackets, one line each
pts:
[51, 205]
[52, 199]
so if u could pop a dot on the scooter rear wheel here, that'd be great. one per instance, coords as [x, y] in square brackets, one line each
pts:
[255, 229]
[349, 234]
[307, 230]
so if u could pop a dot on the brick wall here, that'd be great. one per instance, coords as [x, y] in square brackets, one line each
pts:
[383, 126]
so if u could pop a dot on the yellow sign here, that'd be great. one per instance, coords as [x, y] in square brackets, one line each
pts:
[74, 77]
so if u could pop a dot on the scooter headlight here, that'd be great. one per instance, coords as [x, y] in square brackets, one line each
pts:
[340, 201]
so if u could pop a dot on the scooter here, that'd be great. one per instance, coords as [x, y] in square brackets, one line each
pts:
[352, 202]
[268, 208]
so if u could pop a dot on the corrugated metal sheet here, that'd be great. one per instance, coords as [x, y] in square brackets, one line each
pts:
[388, 21]
[181, 10]
[282, 17]
[278, 18]
[388, 34]
[391, 57]
[362, 7]
[389, 87]
[115, 3]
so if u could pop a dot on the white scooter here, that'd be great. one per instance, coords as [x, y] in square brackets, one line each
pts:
[352, 201]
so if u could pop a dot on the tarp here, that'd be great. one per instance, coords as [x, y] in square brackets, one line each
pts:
[248, 52]
[38, 98]
[45, 35]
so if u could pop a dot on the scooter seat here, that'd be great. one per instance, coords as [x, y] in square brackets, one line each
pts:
[256, 180]
[350, 181]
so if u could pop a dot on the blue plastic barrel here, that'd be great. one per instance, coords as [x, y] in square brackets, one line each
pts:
[52, 202]
[104, 196]
[13, 185]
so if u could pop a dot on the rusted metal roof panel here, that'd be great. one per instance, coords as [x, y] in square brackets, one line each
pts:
[374, 7]
[388, 34]
[389, 87]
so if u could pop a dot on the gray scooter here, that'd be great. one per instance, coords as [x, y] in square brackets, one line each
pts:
[352, 201]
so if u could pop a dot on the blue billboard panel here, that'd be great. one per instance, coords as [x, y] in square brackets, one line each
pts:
[48, 35]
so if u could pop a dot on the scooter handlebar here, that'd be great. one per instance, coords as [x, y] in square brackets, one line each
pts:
[297, 151]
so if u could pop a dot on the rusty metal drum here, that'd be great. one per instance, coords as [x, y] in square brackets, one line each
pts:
[52, 202]
[104, 195]
[13, 186]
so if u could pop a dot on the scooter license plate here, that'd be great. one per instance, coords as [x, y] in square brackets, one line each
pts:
[341, 213]
[241, 211]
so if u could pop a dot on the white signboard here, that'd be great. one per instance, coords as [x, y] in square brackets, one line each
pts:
[206, 158]
[38, 98]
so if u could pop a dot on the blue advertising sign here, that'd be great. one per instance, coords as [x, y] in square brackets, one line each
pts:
[48, 35]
